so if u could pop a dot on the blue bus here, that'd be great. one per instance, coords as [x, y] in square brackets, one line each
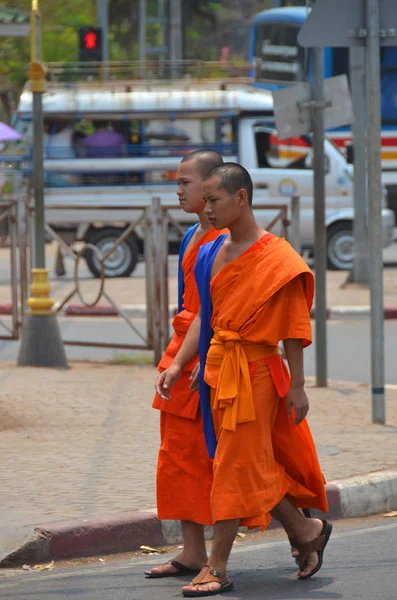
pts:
[282, 61]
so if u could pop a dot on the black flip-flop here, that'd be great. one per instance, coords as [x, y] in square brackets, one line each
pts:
[317, 545]
[181, 570]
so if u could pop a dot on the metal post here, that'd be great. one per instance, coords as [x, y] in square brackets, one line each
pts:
[320, 242]
[103, 20]
[157, 249]
[295, 239]
[149, 274]
[41, 344]
[175, 43]
[375, 210]
[142, 36]
[164, 277]
[360, 272]
[13, 222]
[38, 180]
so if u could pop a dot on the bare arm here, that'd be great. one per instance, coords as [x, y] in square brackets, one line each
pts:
[189, 349]
[296, 397]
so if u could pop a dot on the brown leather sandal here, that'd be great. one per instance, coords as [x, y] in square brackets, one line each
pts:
[209, 575]
[317, 545]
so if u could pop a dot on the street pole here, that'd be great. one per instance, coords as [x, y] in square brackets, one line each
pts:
[103, 21]
[142, 36]
[375, 210]
[175, 42]
[320, 241]
[41, 344]
[36, 74]
[360, 272]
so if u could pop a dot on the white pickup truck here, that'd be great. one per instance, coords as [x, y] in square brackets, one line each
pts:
[157, 127]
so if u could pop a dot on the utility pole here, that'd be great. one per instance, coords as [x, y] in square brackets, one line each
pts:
[175, 37]
[142, 36]
[41, 344]
[375, 209]
[320, 242]
[103, 22]
[360, 272]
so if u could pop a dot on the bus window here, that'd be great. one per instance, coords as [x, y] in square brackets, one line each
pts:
[389, 85]
[277, 46]
[340, 61]
[276, 154]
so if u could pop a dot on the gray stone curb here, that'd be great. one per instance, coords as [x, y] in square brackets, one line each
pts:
[358, 496]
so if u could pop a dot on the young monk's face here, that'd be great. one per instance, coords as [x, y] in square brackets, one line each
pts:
[190, 187]
[221, 208]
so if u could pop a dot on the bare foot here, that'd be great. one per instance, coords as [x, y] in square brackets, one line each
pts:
[213, 586]
[315, 527]
[208, 580]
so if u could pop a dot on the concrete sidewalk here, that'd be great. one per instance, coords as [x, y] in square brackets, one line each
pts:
[79, 449]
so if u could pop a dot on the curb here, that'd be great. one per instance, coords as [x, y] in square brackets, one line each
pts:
[358, 496]
[138, 311]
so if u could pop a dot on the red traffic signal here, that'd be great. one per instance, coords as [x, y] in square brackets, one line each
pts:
[90, 40]
[90, 44]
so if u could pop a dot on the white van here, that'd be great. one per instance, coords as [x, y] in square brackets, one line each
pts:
[112, 143]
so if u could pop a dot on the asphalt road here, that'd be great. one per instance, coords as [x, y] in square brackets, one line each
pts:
[360, 564]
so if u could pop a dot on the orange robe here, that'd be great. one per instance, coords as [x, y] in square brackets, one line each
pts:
[184, 471]
[260, 298]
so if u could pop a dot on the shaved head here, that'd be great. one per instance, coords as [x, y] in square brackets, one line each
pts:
[205, 160]
[233, 177]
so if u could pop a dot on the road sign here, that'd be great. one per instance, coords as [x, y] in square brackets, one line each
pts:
[290, 119]
[293, 107]
[346, 24]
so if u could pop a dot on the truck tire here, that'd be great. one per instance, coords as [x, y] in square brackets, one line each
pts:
[121, 263]
[340, 246]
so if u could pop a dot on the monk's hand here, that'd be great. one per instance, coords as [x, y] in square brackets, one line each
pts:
[194, 378]
[166, 380]
[298, 400]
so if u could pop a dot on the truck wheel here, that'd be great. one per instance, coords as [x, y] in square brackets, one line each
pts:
[340, 246]
[121, 263]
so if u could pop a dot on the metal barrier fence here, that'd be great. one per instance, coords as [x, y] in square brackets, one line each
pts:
[9, 210]
[154, 220]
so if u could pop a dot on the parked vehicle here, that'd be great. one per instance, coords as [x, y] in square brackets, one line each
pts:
[158, 126]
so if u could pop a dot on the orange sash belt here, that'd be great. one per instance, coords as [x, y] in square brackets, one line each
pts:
[233, 392]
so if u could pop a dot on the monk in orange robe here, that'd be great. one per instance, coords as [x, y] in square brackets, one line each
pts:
[184, 471]
[254, 291]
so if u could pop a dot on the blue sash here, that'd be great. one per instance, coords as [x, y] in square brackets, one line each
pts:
[202, 272]
[184, 244]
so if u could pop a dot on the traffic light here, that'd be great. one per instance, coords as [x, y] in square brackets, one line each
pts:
[90, 44]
